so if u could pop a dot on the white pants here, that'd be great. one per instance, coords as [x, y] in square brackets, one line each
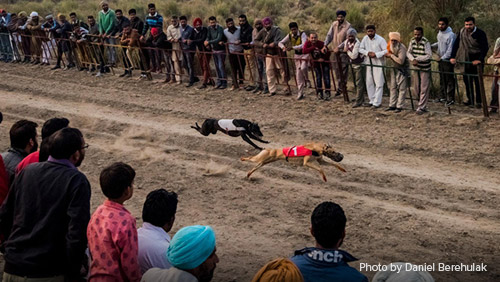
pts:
[375, 84]
[47, 48]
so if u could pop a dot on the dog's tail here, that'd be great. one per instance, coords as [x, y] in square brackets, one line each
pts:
[195, 127]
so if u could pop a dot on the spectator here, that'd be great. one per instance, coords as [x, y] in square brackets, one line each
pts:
[246, 31]
[278, 270]
[24, 34]
[163, 47]
[107, 29]
[198, 37]
[93, 39]
[50, 43]
[112, 232]
[35, 28]
[121, 22]
[188, 50]
[420, 54]
[297, 39]
[12, 27]
[374, 47]
[494, 59]
[403, 275]
[5, 47]
[398, 73]
[192, 256]
[336, 35]
[64, 30]
[53, 225]
[4, 178]
[153, 57]
[444, 46]
[321, 65]
[215, 42]
[326, 262]
[158, 216]
[49, 127]
[260, 56]
[268, 39]
[76, 22]
[351, 48]
[174, 36]
[471, 45]
[130, 42]
[153, 19]
[22, 143]
[135, 22]
[79, 47]
[236, 57]
[4, 181]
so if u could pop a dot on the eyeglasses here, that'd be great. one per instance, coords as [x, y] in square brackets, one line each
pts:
[85, 146]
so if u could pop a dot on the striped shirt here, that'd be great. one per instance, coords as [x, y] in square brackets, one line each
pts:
[420, 51]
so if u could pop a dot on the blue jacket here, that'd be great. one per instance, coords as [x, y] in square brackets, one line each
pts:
[186, 34]
[318, 265]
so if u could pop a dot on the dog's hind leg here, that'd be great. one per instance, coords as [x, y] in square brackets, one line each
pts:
[315, 167]
[254, 169]
[245, 137]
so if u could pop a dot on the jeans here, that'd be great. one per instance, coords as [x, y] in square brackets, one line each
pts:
[5, 47]
[322, 71]
[219, 59]
[188, 58]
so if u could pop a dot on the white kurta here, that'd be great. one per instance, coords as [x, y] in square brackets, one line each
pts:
[374, 75]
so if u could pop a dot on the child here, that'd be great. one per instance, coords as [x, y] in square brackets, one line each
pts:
[112, 232]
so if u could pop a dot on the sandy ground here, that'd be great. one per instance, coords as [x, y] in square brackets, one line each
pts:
[420, 189]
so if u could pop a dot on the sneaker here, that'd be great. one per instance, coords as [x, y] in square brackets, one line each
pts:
[375, 107]
[256, 90]
[367, 105]
[99, 74]
[479, 106]
[223, 87]
[250, 88]
[272, 94]
[189, 85]
[356, 106]
[266, 91]
[390, 109]
[468, 103]
[419, 112]
[203, 86]
[338, 93]
[123, 74]
[143, 76]
[56, 67]
[398, 110]
[449, 103]
[300, 97]
[493, 110]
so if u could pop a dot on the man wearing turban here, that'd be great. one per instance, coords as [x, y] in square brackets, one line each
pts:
[279, 270]
[336, 35]
[192, 256]
[396, 59]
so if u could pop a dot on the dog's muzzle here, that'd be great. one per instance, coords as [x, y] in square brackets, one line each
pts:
[338, 157]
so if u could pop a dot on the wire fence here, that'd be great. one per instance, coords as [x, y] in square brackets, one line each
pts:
[250, 66]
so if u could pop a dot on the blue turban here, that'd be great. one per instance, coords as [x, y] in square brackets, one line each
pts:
[191, 246]
[341, 12]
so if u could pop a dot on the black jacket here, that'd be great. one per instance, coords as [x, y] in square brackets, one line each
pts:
[137, 24]
[481, 38]
[199, 38]
[161, 42]
[246, 35]
[120, 23]
[44, 220]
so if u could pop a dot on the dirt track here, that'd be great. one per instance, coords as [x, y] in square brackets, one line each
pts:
[419, 189]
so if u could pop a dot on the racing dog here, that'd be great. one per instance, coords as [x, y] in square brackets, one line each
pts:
[306, 154]
[233, 128]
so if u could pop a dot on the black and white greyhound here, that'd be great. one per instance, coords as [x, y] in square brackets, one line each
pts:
[233, 128]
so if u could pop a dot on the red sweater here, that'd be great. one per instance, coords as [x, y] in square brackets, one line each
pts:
[315, 50]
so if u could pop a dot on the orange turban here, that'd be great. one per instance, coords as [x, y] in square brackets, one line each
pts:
[279, 270]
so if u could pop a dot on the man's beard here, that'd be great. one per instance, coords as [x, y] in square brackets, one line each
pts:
[232, 29]
[34, 148]
[80, 160]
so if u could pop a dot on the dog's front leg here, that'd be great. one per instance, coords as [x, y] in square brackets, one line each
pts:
[327, 162]
[307, 163]
[256, 138]
[245, 137]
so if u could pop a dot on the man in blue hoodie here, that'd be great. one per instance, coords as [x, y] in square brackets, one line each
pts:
[325, 262]
[445, 38]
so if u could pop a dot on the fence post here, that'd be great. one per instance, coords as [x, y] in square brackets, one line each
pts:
[342, 79]
[481, 89]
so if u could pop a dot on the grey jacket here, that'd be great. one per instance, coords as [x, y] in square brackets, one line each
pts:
[11, 158]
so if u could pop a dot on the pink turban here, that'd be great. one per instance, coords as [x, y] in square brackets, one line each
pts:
[267, 20]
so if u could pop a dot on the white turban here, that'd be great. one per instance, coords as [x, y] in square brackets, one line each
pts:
[33, 14]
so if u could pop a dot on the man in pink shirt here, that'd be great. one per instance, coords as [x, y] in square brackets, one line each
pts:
[112, 232]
